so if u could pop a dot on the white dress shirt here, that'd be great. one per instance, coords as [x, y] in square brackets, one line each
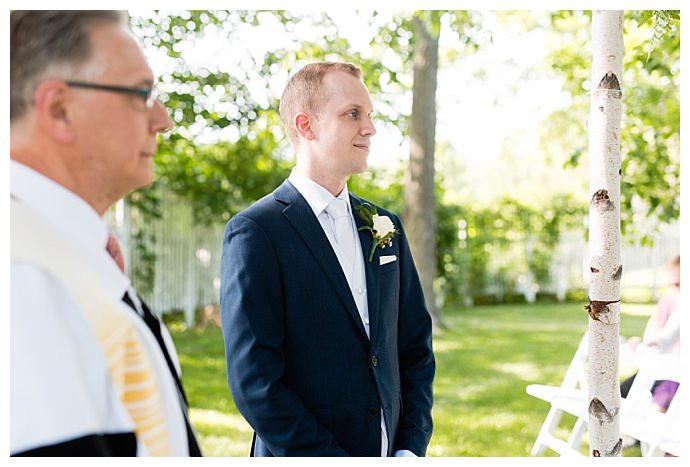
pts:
[60, 387]
[318, 199]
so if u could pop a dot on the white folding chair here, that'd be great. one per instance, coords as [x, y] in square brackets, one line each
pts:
[658, 432]
[570, 397]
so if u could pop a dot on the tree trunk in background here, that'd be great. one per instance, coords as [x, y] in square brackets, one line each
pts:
[420, 193]
[604, 233]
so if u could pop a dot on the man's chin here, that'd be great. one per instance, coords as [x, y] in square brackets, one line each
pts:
[143, 179]
[145, 174]
[359, 166]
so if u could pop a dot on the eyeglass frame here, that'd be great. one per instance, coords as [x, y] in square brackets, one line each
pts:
[148, 94]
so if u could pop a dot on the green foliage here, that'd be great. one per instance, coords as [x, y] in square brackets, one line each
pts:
[650, 130]
[663, 23]
[382, 187]
[248, 157]
[484, 361]
[221, 179]
[201, 97]
[469, 237]
[144, 275]
[145, 203]
[228, 147]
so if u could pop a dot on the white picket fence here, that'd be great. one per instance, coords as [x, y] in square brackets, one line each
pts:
[187, 264]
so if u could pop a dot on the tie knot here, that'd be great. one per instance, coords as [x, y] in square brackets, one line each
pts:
[337, 208]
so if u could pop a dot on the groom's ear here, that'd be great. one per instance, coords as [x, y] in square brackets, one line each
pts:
[302, 124]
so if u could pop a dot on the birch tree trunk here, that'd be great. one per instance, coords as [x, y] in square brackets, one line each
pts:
[420, 194]
[604, 233]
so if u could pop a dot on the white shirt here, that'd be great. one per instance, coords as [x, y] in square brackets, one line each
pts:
[60, 387]
[318, 199]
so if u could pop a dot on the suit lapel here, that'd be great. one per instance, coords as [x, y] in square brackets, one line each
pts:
[301, 217]
[371, 269]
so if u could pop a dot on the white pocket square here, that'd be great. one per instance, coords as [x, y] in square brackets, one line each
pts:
[387, 259]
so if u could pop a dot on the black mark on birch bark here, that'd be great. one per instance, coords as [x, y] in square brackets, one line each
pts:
[600, 412]
[594, 269]
[601, 201]
[618, 274]
[597, 308]
[609, 81]
[615, 452]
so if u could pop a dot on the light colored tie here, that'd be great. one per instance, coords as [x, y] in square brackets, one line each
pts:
[337, 209]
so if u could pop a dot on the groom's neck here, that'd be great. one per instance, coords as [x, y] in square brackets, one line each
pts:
[333, 183]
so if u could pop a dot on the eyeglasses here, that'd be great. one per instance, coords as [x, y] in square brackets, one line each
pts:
[148, 94]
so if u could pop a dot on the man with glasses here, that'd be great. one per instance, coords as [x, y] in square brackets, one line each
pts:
[147, 94]
[93, 372]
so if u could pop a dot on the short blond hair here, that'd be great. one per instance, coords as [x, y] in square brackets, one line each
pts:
[304, 93]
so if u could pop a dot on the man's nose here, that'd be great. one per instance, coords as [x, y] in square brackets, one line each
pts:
[369, 129]
[160, 120]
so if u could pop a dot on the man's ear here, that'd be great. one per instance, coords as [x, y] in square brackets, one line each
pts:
[303, 125]
[51, 99]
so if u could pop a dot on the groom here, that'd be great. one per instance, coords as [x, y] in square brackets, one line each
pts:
[327, 337]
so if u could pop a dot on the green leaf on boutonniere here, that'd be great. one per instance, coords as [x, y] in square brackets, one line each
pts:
[381, 227]
[367, 215]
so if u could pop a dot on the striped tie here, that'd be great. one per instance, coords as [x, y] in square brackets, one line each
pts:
[132, 374]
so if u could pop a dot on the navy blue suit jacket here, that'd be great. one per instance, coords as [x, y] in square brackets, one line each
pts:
[300, 366]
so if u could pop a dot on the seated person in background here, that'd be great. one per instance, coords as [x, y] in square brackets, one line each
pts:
[663, 334]
[667, 340]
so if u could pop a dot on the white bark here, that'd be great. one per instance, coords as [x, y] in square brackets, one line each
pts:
[604, 233]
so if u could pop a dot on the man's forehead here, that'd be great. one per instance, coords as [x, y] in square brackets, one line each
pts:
[121, 53]
[344, 86]
[339, 78]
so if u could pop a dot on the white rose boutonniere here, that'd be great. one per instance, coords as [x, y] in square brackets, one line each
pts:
[382, 228]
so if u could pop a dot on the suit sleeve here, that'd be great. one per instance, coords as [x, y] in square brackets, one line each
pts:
[252, 314]
[417, 364]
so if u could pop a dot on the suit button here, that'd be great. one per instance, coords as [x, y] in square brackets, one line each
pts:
[375, 360]
[373, 412]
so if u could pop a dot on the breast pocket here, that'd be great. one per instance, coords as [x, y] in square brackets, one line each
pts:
[388, 267]
[389, 277]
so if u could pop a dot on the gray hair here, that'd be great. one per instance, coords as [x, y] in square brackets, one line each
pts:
[50, 44]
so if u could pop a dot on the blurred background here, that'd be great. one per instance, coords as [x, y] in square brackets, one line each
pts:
[481, 147]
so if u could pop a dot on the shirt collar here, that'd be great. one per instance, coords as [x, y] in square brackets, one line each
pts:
[317, 196]
[73, 218]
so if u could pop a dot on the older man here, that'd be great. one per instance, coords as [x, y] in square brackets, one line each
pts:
[92, 370]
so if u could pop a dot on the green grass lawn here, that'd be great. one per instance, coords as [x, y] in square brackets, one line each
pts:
[484, 361]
